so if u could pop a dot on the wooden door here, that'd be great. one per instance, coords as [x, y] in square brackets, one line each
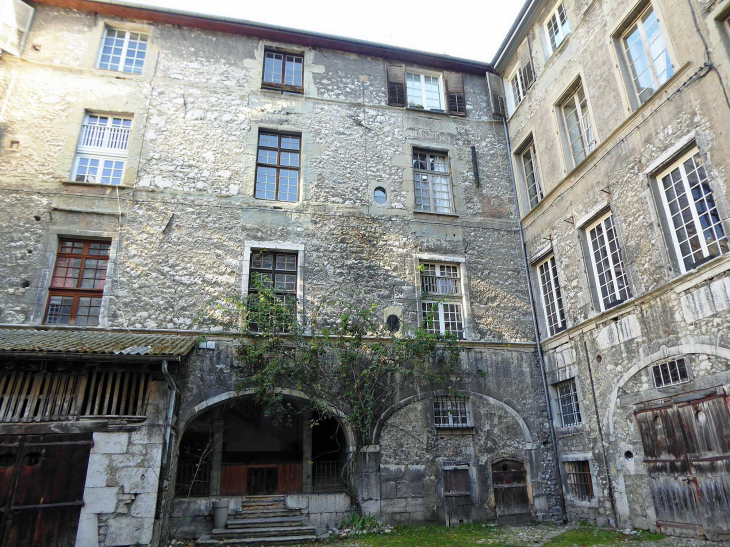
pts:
[510, 490]
[262, 480]
[42, 487]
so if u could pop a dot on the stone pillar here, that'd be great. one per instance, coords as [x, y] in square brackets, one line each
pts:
[216, 460]
[306, 451]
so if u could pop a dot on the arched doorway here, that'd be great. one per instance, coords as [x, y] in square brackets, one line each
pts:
[511, 499]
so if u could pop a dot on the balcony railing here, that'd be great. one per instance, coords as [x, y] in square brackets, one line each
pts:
[105, 137]
[446, 286]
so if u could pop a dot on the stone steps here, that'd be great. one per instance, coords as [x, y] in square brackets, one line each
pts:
[294, 520]
[268, 531]
[277, 540]
[263, 513]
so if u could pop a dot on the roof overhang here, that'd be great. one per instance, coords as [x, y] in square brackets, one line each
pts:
[130, 10]
[524, 21]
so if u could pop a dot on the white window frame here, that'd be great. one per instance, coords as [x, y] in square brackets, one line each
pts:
[433, 207]
[585, 123]
[552, 291]
[532, 150]
[554, 13]
[517, 87]
[104, 152]
[612, 264]
[451, 405]
[125, 47]
[443, 298]
[637, 22]
[676, 362]
[423, 75]
[679, 164]
[574, 402]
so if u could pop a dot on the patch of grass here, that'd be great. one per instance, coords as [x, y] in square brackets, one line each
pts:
[433, 536]
[585, 536]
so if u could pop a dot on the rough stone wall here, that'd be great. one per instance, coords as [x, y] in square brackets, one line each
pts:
[670, 313]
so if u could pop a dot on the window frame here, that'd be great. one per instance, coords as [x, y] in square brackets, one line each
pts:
[125, 49]
[600, 220]
[278, 166]
[282, 86]
[570, 468]
[441, 299]
[430, 173]
[252, 290]
[554, 292]
[102, 153]
[678, 163]
[76, 293]
[443, 100]
[446, 408]
[537, 179]
[518, 90]
[573, 403]
[587, 130]
[548, 19]
[684, 368]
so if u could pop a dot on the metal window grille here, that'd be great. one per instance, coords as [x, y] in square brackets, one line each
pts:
[557, 27]
[568, 403]
[327, 476]
[423, 91]
[688, 200]
[277, 167]
[532, 175]
[283, 72]
[451, 413]
[432, 182]
[193, 479]
[578, 127]
[647, 55]
[77, 285]
[102, 149]
[670, 373]
[42, 396]
[123, 51]
[551, 297]
[608, 264]
[579, 481]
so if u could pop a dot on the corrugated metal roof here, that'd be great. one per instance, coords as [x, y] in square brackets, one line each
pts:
[94, 342]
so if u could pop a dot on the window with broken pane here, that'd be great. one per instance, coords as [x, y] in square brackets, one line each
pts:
[432, 182]
[441, 307]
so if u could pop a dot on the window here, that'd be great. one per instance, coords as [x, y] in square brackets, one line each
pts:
[552, 300]
[532, 175]
[15, 19]
[277, 167]
[424, 91]
[283, 72]
[557, 27]
[77, 286]
[579, 481]
[441, 308]
[431, 182]
[567, 395]
[646, 55]
[670, 373]
[516, 82]
[123, 51]
[451, 413]
[578, 128]
[687, 200]
[608, 265]
[277, 271]
[102, 149]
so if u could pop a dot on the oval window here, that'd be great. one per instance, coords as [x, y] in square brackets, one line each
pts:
[380, 195]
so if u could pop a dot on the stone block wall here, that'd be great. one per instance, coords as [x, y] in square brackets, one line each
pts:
[323, 511]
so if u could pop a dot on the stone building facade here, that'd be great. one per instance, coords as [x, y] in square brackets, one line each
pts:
[617, 114]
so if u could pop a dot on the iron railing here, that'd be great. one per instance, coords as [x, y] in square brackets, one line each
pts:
[193, 479]
[327, 476]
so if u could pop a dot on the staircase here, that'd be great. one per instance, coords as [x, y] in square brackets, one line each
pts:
[263, 520]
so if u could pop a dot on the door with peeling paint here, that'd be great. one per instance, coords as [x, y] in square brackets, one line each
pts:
[687, 455]
[42, 481]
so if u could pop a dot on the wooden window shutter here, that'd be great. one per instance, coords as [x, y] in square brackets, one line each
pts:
[15, 19]
[498, 107]
[455, 93]
[396, 85]
[525, 57]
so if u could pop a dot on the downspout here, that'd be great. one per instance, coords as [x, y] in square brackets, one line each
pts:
[533, 309]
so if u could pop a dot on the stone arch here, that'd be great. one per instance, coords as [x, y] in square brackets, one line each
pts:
[663, 353]
[529, 442]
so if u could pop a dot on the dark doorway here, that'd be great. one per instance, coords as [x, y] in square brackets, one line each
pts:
[510, 491]
[262, 480]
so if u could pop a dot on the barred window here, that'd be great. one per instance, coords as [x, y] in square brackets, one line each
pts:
[670, 373]
[283, 72]
[102, 150]
[557, 27]
[607, 261]
[442, 316]
[578, 478]
[552, 300]
[77, 285]
[277, 167]
[688, 201]
[567, 396]
[432, 182]
[123, 51]
[451, 413]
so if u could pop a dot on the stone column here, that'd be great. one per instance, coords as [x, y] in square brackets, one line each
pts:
[216, 460]
[306, 451]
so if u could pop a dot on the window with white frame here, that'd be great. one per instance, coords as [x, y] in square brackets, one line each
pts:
[552, 300]
[557, 27]
[122, 50]
[442, 299]
[670, 373]
[646, 54]
[567, 396]
[532, 174]
[607, 262]
[102, 150]
[431, 182]
[689, 205]
[516, 82]
[451, 413]
[578, 126]
[424, 91]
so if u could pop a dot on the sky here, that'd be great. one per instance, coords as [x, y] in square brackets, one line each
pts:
[472, 29]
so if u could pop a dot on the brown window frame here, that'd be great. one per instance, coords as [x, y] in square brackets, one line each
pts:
[77, 292]
[281, 86]
[278, 166]
[289, 296]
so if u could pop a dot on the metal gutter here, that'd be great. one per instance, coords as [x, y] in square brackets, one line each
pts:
[513, 31]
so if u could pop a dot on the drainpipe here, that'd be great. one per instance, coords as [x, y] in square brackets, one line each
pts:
[533, 310]
[170, 411]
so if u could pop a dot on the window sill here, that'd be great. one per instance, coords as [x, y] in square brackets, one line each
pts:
[276, 204]
[434, 214]
[455, 431]
[567, 431]
[423, 110]
[96, 184]
[284, 90]
[120, 75]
